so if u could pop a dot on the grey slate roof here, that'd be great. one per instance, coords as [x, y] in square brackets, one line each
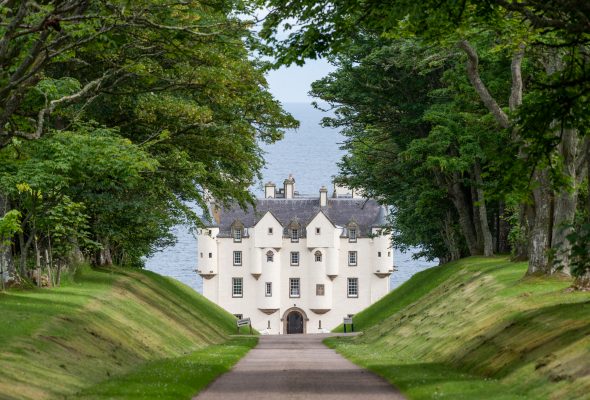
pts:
[366, 213]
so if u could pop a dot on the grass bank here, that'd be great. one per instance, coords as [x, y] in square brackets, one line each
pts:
[476, 329]
[105, 334]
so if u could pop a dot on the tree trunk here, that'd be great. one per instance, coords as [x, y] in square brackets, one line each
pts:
[5, 250]
[476, 219]
[582, 282]
[23, 254]
[565, 203]
[503, 230]
[463, 209]
[488, 242]
[450, 239]
[539, 237]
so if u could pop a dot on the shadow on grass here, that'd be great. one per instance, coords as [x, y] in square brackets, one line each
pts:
[509, 345]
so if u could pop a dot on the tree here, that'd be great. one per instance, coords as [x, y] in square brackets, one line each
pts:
[161, 95]
[9, 226]
[326, 28]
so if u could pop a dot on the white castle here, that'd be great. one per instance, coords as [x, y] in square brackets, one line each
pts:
[296, 264]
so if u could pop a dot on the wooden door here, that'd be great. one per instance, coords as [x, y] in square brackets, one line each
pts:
[294, 322]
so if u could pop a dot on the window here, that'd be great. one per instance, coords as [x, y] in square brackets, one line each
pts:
[294, 287]
[268, 289]
[210, 232]
[270, 231]
[294, 235]
[295, 258]
[210, 255]
[352, 235]
[352, 258]
[317, 231]
[201, 255]
[378, 254]
[237, 235]
[319, 289]
[353, 287]
[318, 256]
[270, 256]
[237, 258]
[237, 285]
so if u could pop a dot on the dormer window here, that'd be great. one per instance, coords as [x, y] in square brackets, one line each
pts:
[293, 230]
[318, 256]
[237, 231]
[270, 256]
[353, 230]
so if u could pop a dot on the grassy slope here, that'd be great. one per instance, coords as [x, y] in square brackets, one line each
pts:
[109, 324]
[476, 329]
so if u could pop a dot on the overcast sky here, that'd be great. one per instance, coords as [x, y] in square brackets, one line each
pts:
[291, 84]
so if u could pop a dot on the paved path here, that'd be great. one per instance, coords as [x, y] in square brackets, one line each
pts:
[297, 367]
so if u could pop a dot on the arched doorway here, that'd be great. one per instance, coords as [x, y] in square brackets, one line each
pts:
[294, 321]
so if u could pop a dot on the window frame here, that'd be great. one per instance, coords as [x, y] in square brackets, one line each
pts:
[270, 231]
[268, 289]
[236, 253]
[318, 231]
[292, 281]
[294, 234]
[234, 281]
[318, 256]
[352, 283]
[270, 256]
[237, 235]
[319, 292]
[291, 254]
[352, 253]
[352, 235]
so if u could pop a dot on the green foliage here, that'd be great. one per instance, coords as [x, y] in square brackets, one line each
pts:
[150, 108]
[9, 226]
[580, 250]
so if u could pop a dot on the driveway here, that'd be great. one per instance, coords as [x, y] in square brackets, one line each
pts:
[297, 367]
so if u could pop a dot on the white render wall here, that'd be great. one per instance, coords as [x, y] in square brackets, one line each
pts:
[256, 271]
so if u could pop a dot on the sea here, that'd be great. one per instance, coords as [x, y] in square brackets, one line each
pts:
[310, 154]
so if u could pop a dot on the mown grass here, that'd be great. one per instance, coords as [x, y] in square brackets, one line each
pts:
[476, 329]
[104, 325]
[175, 378]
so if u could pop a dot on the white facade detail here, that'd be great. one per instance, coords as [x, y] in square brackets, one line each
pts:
[314, 294]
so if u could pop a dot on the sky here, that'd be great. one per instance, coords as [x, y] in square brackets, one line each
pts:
[292, 84]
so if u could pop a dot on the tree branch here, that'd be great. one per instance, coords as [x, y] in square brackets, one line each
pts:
[516, 69]
[480, 87]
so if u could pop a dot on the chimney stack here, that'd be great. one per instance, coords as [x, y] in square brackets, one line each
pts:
[323, 196]
[269, 190]
[289, 187]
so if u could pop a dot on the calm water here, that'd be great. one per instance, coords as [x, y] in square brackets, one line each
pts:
[310, 154]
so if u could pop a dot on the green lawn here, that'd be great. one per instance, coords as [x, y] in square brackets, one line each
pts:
[107, 326]
[175, 378]
[476, 329]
